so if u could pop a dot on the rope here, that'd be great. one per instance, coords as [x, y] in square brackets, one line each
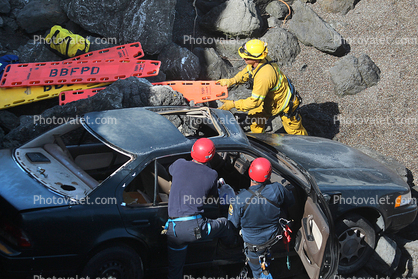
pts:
[288, 7]
[194, 23]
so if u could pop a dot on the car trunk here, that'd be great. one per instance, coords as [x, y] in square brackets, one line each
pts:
[19, 191]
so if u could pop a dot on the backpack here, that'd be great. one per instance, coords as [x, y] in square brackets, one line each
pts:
[6, 60]
[65, 43]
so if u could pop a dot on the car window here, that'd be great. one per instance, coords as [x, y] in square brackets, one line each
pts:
[193, 123]
[140, 191]
[151, 186]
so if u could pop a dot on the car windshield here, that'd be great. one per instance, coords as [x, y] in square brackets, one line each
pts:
[69, 160]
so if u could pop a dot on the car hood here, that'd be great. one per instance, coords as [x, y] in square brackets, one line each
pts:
[19, 191]
[332, 163]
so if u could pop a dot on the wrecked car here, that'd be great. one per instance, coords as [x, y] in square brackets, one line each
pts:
[90, 197]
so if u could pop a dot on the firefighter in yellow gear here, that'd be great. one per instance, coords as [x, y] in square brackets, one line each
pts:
[271, 91]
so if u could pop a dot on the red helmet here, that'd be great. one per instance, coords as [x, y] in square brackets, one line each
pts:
[203, 150]
[260, 170]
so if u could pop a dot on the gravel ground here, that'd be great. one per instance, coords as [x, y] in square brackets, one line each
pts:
[383, 117]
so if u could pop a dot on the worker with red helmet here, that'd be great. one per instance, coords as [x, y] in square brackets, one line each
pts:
[192, 183]
[272, 92]
[257, 211]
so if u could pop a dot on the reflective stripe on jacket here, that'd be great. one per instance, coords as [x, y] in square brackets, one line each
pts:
[271, 88]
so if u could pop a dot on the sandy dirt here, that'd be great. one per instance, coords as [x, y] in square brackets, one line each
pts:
[383, 117]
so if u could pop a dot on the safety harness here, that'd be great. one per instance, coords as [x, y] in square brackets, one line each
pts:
[291, 98]
[282, 233]
[181, 219]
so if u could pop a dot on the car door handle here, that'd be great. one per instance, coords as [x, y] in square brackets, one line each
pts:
[307, 227]
[142, 223]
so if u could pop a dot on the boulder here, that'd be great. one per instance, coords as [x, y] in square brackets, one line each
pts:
[273, 22]
[18, 4]
[386, 258]
[10, 24]
[149, 22]
[97, 43]
[283, 46]
[41, 15]
[351, 75]
[138, 92]
[36, 52]
[206, 5]
[337, 6]
[165, 96]
[409, 261]
[213, 67]
[368, 70]
[346, 76]
[223, 18]
[277, 9]
[8, 120]
[312, 30]
[4, 6]
[179, 63]
[229, 49]
[186, 30]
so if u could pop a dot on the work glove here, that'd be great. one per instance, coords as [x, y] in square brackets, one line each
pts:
[228, 104]
[226, 82]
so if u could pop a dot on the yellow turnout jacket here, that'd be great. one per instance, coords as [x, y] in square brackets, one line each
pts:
[271, 88]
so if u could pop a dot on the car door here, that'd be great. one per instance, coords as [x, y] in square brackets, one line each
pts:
[316, 245]
[145, 215]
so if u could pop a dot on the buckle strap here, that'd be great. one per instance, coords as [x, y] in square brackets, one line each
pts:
[193, 215]
[180, 219]
[266, 245]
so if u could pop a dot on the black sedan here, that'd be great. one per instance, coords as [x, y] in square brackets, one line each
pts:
[89, 197]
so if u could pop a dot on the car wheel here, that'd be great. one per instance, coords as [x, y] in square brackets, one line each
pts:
[120, 262]
[357, 240]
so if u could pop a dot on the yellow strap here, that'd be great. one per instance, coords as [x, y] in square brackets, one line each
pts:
[287, 100]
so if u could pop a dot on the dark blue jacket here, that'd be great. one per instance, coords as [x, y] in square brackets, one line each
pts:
[192, 183]
[260, 220]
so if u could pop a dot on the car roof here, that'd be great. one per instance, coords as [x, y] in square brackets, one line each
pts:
[135, 130]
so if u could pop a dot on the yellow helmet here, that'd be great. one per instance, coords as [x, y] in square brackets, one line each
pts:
[253, 49]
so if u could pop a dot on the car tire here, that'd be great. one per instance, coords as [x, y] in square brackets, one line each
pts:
[121, 262]
[357, 240]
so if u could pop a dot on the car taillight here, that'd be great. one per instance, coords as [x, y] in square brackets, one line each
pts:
[14, 234]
